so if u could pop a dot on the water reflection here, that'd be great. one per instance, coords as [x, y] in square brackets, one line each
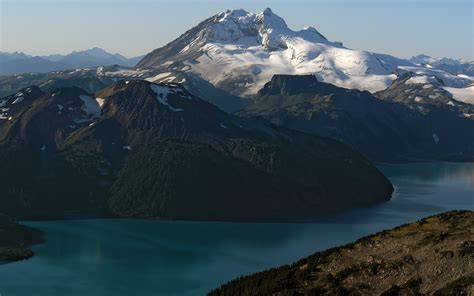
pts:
[136, 257]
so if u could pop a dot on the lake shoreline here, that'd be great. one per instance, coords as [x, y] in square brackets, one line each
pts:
[428, 256]
[16, 240]
[189, 258]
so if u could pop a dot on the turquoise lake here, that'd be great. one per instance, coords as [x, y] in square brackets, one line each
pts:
[136, 257]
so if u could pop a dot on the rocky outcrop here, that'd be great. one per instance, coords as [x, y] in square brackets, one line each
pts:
[382, 130]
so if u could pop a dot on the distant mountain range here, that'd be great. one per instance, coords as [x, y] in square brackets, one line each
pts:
[18, 62]
[453, 66]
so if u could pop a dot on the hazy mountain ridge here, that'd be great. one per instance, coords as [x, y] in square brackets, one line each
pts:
[17, 62]
[453, 66]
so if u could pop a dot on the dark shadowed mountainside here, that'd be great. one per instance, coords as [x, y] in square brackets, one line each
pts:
[382, 130]
[138, 149]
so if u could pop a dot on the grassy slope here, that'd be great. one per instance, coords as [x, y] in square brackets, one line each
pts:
[432, 256]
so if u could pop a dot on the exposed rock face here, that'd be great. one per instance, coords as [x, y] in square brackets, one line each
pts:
[425, 95]
[433, 256]
[384, 130]
[138, 149]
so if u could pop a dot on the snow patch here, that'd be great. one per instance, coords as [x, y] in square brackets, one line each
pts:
[223, 125]
[90, 107]
[421, 80]
[435, 138]
[465, 95]
[418, 99]
[126, 148]
[158, 77]
[18, 100]
[162, 93]
[465, 76]
[100, 101]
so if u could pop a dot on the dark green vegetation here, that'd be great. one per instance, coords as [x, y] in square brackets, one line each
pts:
[433, 256]
[16, 239]
[156, 151]
[382, 129]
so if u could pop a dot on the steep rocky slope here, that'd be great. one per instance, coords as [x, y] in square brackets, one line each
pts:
[433, 256]
[386, 130]
[426, 94]
[154, 150]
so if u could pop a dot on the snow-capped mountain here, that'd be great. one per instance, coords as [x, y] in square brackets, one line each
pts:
[239, 52]
[11, 63]
[453, 66]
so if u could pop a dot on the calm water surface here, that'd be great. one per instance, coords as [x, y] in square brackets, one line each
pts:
[135, 257]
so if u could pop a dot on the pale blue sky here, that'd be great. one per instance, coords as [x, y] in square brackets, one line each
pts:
[401, 28]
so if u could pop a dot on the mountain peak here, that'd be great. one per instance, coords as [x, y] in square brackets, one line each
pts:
[96, 50]
[235, 13]
[244, 28]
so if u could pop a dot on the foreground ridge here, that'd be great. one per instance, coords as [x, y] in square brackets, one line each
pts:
[432, 256]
